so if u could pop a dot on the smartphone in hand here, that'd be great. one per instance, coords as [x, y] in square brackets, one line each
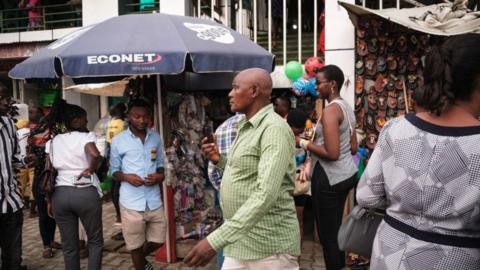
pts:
[207, 132]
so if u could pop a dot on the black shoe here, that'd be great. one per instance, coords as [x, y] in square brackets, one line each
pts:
[118, 237]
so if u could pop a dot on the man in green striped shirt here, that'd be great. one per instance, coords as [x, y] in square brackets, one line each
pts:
[261, 230]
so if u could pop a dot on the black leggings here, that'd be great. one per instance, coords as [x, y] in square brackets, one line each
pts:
[47, 224]
[328, 203]
[115, 189]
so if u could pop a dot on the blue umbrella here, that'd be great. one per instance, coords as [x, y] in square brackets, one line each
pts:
[145, 44]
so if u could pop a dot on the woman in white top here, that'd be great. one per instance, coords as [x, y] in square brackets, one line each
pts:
[77, 193]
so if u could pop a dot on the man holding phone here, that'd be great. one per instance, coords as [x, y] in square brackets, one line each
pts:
[136, 160]
[261, 230]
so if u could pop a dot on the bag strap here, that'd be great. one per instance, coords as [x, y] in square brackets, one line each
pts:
[50, 153]
[345, 115]
[315, 129]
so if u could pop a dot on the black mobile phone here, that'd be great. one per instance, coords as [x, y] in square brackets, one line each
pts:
[207, 132]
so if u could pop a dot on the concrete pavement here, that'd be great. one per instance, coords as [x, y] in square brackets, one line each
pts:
[116, 257]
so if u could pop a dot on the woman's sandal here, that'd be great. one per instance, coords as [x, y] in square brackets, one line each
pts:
[48, 253]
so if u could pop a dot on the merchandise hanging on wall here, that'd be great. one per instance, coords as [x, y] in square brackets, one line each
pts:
[389, 68]
[195, 211]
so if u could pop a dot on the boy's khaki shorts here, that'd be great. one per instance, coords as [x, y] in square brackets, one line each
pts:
[140, 227]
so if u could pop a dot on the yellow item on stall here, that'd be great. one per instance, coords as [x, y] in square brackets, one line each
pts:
[115, 126]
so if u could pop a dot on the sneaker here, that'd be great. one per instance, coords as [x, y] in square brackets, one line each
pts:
[148, 266]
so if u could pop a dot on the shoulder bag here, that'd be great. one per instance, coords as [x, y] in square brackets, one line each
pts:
[49, 175]
[358, 231]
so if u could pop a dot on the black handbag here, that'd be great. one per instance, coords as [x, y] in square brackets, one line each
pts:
[358, 231]
[49, 175]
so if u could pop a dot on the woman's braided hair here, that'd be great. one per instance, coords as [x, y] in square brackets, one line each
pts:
[452, 72]
[61, 116]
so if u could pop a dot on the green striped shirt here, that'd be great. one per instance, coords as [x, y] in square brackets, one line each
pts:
[257, 191]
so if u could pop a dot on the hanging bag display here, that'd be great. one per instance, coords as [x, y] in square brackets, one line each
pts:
[358, 231]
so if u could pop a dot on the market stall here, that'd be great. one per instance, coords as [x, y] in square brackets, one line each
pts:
[175, 56]
[391, 45]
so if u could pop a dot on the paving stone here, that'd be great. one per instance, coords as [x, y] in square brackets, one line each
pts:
[116, 257]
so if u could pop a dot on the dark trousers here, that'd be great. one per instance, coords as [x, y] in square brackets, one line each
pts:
[115, 189]
[11, 240]
[328, 203]
[46, 224]
[69, 205]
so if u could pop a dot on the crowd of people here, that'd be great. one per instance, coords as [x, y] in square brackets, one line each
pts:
[424, 172]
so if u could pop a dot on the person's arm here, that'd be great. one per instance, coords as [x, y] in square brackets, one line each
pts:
[211, 152]
[353, 143]
[116, 166]
[159, 175]
[93, 156]
[277, 151]
[330, 149]
[371, 187]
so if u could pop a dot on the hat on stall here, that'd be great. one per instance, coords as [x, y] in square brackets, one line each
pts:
[359, 84]
[360, 117]
[380, 83]
[400, 112]
[390, 85]
[390, 113]
[398, 84]
[372, 101]
[372, 45]
[362, 47]
[358, 102]
[402, 45]
[412, 62]
[371, 65]
[424, 39]
[382, 102]
[381, 64]
[413, 42]
[392, 99]
[370, 120]
[391, 62]
[379, 122]
[360, 32]
[359, 67]
[371, 140]
[401, 102]
[412, 81]
[402, 66]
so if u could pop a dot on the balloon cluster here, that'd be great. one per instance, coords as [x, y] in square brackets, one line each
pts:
[304, 85]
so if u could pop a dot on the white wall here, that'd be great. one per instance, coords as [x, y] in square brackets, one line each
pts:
[175, 7]
[340, 44]
[94, 11]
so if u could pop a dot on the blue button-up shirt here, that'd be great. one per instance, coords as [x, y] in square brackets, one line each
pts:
[130, 156]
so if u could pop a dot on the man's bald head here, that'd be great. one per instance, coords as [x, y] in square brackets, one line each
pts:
[259, 77]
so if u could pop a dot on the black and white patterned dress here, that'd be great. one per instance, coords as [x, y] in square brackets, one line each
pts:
[428, 177]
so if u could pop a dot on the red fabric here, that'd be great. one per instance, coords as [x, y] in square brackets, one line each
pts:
[321, 42]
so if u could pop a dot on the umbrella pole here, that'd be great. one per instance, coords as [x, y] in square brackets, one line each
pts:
[169, 247]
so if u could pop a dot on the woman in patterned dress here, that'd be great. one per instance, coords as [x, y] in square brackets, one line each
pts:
[425, 170]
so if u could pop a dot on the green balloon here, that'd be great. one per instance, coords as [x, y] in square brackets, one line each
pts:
[293, 70]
